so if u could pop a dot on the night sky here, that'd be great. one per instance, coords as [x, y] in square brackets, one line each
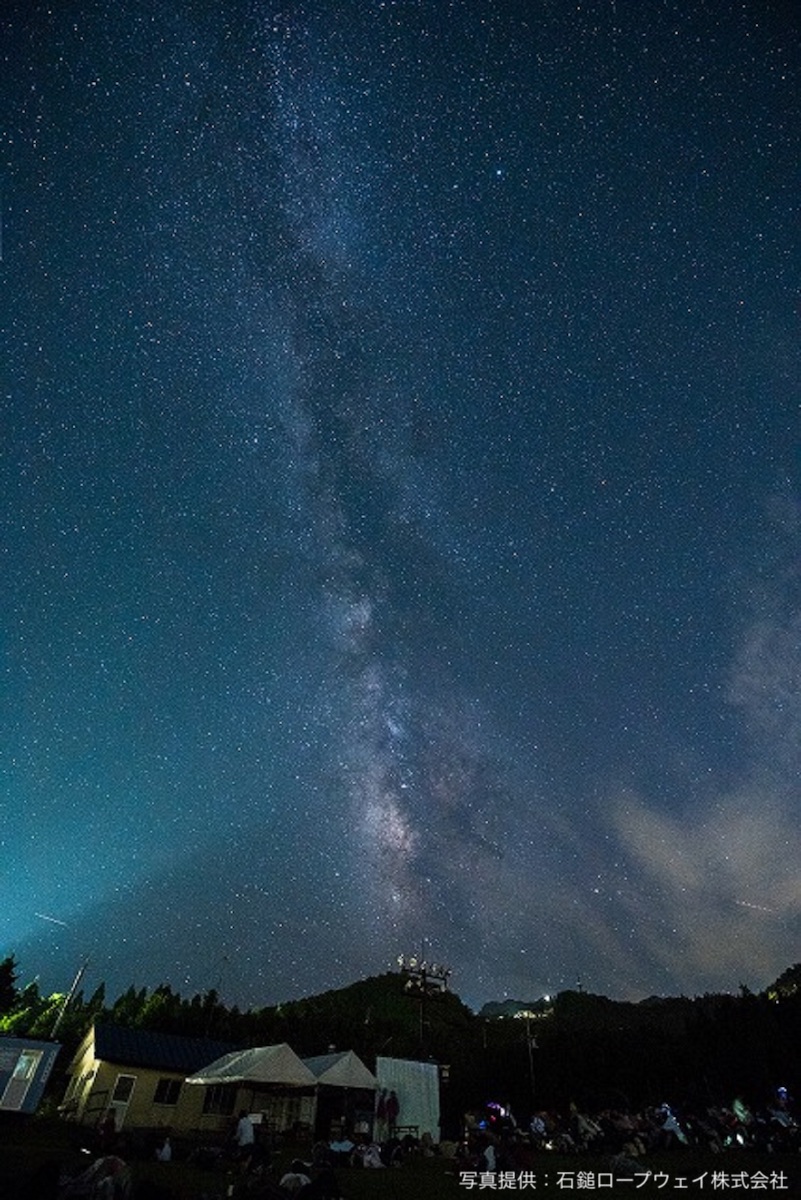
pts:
[400, 493]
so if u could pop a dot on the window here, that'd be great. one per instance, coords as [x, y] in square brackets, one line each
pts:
[22, 1077]
[167, 1091]
[219, 1100]
[123, 1089]
[27, 1063]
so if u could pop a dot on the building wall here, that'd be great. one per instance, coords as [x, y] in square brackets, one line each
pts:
[95, 1086]
[416, 1085]
[82, 1073]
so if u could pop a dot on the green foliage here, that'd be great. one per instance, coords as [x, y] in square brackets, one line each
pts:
[161, 1010]
[33, 1015]
[8, 984]
[42, 1022]
[14, 1024]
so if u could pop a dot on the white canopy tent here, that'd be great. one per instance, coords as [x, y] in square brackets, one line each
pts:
[270, 1082]
[345, 1096]
[343, 1069]
[261, 1065]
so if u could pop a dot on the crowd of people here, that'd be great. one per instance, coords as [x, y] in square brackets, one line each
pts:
[315, 1178]
[259, 1174]
[495, 1141]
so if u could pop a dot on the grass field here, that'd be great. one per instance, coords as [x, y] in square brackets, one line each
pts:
[28, 1151]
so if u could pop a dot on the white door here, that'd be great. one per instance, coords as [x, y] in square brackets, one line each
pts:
[121, 1098]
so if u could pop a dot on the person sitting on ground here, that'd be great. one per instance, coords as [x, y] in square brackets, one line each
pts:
[164, 1151]
[372, 1156]
[322, 1155]
[487, 1159]
[427, 1147]
[108, 1178]
[296, 1177]
[538, 1130]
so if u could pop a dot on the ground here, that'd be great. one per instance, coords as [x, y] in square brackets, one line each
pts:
[30, 1151]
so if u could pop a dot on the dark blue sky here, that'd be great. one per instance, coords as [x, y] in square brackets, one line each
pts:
[400, 493]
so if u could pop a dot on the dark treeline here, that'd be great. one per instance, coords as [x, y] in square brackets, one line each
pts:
[590, 1049]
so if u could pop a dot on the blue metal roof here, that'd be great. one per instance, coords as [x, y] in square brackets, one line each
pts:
[159, 1051]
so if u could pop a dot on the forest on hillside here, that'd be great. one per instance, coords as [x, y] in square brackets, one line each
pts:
[581, 1047]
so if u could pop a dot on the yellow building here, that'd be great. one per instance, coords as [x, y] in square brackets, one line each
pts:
[139, 1075]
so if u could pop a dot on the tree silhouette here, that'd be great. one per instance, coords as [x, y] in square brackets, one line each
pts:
[8, 984]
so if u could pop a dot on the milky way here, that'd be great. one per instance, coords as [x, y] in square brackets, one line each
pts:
[400, 495]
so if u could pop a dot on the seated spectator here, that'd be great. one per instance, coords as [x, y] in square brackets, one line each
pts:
[295, 1178]
[537, 1129]
[427, 1147]
[108, 1178]
[164, 1151]
[372, 1156]
[322, 1155]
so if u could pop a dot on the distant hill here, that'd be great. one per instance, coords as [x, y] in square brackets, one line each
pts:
[373, 1016]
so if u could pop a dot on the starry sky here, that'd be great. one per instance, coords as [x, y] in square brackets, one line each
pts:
[400, 493]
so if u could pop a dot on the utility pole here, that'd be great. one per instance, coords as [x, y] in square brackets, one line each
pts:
[532, 1046]
[69, 997]
[424, 981]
